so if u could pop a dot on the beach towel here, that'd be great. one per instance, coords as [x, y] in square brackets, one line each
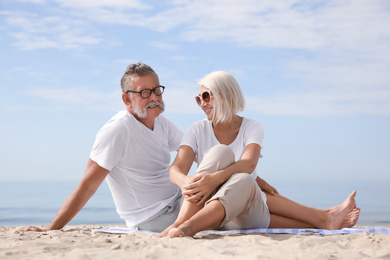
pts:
[295, 231]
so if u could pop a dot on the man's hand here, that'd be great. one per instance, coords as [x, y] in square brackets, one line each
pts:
[264, 186]
[32, 228]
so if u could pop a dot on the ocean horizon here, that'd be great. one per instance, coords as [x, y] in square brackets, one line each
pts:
[24, 203]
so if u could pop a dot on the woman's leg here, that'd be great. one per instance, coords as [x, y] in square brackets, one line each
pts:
[283, 222]
[209, 217]
[286, 213]
[187, 210]
[236, 205]
[217, 158]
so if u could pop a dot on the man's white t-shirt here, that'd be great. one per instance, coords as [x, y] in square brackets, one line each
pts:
[138, 159]
[200, 137]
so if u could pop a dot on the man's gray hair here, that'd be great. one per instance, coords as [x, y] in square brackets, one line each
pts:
[136, 69]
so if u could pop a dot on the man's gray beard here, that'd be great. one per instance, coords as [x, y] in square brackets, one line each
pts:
[143, 113]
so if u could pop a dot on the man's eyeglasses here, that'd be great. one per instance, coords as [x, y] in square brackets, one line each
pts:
[205, 96]
[145, 93]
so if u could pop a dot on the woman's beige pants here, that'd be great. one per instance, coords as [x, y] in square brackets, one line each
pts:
[240, 195]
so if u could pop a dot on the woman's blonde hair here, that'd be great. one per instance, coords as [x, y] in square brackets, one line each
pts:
[228, 98]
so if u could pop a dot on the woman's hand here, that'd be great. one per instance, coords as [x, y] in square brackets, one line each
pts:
[183, 182]
[200, 188]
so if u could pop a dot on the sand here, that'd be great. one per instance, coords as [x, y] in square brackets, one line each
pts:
[79, 242]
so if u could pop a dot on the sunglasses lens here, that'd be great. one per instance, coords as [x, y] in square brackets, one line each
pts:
[206, 96]
[197, 100]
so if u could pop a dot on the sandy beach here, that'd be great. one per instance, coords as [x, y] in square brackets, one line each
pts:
[79, 242]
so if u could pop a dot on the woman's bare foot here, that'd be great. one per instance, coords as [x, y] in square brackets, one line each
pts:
[351, 219]
[338, 213]
[175, 232]
[181, 231]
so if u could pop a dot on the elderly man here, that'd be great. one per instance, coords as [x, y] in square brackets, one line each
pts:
[132, 151]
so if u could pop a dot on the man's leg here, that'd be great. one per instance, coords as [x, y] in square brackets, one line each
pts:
[164, 218]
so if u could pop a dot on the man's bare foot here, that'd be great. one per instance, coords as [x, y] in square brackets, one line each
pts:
[162, 234]
[351, 219]
[338, 213]
[165, 232]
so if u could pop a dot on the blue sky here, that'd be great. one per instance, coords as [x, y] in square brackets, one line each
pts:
[314, 73]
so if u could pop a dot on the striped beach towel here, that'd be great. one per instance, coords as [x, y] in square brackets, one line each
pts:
[301, 231]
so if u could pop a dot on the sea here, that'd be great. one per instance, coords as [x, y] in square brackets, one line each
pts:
[36, 203]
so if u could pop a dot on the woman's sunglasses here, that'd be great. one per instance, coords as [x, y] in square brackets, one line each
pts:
[205, 97]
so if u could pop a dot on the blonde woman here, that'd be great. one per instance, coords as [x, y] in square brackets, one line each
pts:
[224, 193]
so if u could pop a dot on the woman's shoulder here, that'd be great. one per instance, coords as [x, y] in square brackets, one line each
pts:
[250, 125]
[201, 124]
[198, 128]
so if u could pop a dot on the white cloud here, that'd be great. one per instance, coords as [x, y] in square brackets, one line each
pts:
[274, 24]
[33, 1]
[83, 97]
[34, 32]
[163, 45]
[136, 4]
[342, 47]
[29, 42]
[344, 72]
[95, 4]
[331, 47]
[322, 103]
[310, 25]
[179, 98]
[184, 58]
[17, 72]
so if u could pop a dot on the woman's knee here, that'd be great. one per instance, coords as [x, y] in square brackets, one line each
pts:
[221, 151]
[217, 158]
[244, 178]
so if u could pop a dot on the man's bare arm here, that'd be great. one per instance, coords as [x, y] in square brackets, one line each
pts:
[92, 179]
